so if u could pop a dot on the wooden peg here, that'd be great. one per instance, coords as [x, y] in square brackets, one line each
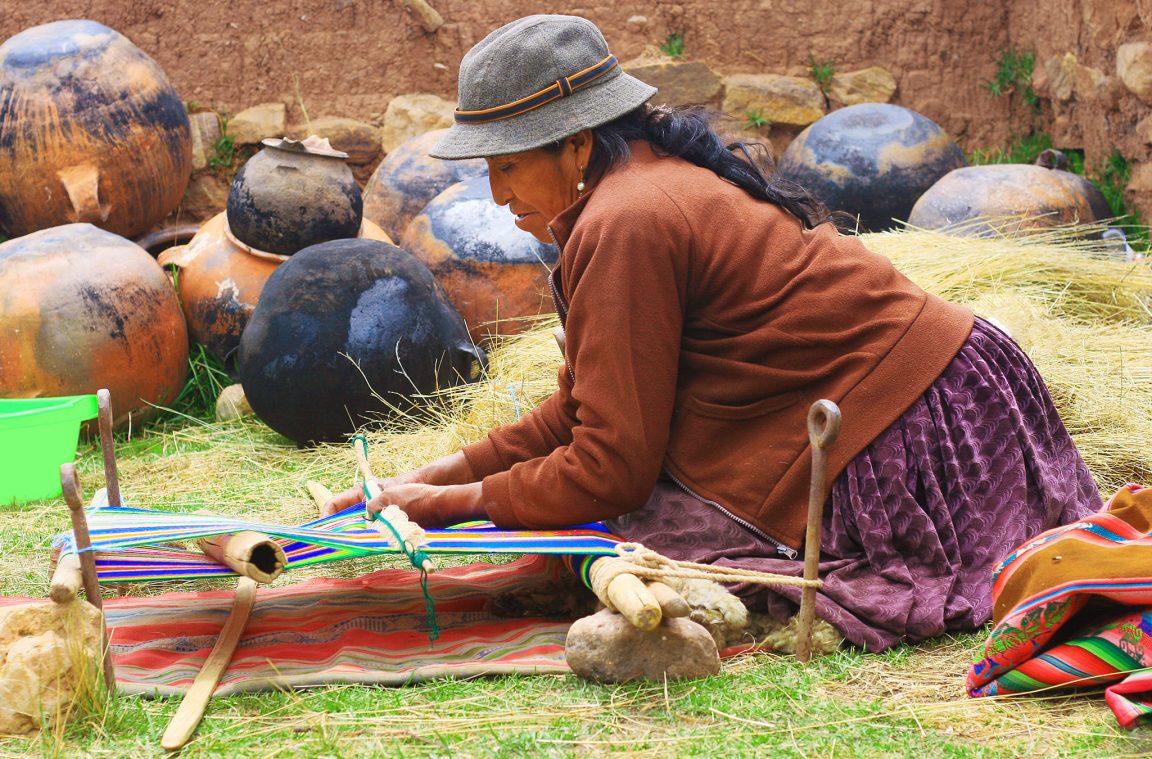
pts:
[823, 428]
[71, 485]
[108, 446]
[626, 593]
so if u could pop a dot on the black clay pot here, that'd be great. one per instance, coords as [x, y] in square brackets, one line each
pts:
[409, 178]
[872, 161]
[494, 273]
[348, 333]
[290, 196]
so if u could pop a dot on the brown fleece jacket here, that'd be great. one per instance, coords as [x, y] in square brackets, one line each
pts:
[700, 325]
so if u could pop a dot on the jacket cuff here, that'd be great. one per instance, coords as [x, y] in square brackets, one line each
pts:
[497, 494]
[483, 458]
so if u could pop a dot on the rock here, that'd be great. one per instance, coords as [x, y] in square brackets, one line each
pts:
[206, 196]
[1143, 130]
[411, 115]
[677, 82]
[1134, 67]
[637, 22]
[871, 85]
[606, 648]
[360, 140]
[1094, 86]
[232, 404]
[1059, 78]
[257, 123]
[205, 135]
[779, 99]
[48, 653]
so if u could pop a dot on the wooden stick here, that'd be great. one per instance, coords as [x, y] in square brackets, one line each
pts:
[320, 494]
[823, 428]
[67, 579]
[373, 491]
[247, 553]
[672, 604]
[71, 486]
[195, 701]
[108, 446]
[626, 593]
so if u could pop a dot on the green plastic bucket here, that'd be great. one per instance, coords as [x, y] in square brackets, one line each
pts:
[37, 435]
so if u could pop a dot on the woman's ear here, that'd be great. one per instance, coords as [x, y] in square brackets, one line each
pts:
[581, 144]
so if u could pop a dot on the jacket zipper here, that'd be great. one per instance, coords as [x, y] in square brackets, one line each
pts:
[561, 306]
[781, 549]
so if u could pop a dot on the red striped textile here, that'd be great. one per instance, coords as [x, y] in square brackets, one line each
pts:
[1073, 608]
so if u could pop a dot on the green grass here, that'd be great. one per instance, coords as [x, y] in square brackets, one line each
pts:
[821, 72]
[754, 120]
[1014, 76]
[905, 702]
[673, 45]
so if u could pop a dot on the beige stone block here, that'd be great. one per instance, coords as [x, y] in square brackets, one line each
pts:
[257, 123]
[678, 82]
[1134, 68]
[871, 85]
[205, 134]
[410, 115]
[779, 99]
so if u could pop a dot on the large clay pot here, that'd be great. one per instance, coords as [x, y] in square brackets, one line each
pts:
[294, 194]
[1006, 198]
[346, 333]
[90, 131]
[219, 281]
[494, 273]
[83, 309]
[871, 160]
[408, 178]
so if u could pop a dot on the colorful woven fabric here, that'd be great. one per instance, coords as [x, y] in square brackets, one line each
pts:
[371, 629]
[1073, 607]
[126, 541]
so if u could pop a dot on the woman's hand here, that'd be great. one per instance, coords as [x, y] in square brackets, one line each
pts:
[433, 505]
[452, 469]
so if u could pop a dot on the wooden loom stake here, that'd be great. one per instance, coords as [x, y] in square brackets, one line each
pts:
[373, 491]
[823, 428]
[71, 486]
[108, 446]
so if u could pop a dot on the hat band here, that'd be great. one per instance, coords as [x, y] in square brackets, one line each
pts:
[558, 89]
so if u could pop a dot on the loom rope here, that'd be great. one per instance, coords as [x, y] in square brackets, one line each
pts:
[636, 559]
[416, 556]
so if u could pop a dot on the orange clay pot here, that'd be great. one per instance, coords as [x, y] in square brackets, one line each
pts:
[90, 131]
[1005, 198]
[82, 309]
[493, 272]
[219, 280]
[408, 178]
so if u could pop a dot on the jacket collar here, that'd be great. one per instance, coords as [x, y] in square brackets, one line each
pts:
[641, 154]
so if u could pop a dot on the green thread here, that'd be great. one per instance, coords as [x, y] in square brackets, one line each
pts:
[416, 557]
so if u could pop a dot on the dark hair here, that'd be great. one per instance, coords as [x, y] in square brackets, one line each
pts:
[688, 133]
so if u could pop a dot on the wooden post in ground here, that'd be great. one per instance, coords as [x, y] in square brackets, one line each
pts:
[823, 428]
[71, 485]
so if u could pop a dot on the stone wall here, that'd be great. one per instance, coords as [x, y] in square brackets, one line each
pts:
[351, 58]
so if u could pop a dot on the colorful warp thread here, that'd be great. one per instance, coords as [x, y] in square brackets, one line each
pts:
[1073, 607]
[127, 541]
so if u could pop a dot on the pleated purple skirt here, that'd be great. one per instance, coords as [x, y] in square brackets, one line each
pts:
[917, 521]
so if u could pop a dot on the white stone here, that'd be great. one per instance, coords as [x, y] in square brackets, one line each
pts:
[410, 115]
[257, 123]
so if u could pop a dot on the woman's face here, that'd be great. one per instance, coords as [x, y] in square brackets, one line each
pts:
[536, 185]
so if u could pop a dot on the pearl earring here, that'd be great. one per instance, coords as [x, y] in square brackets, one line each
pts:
[580, 186]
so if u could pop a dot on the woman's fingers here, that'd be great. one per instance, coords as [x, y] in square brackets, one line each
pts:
[341, 501]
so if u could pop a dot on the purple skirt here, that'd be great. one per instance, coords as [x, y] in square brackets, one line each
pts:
[917, 521]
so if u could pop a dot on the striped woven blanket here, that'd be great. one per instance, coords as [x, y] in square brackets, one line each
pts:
[1073, 608]
[370, 629]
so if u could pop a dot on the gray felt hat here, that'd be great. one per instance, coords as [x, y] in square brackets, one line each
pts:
[535, 81]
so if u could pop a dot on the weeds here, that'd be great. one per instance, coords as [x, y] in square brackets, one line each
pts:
[207, 376]
[821, 72]
[1020, 149]
[1014, 75]
[224, 151]
[755, 120]
[673, 45]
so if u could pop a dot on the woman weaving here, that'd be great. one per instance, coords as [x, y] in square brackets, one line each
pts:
[705, 307]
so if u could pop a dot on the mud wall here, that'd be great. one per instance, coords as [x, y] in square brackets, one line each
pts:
[350, 57]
